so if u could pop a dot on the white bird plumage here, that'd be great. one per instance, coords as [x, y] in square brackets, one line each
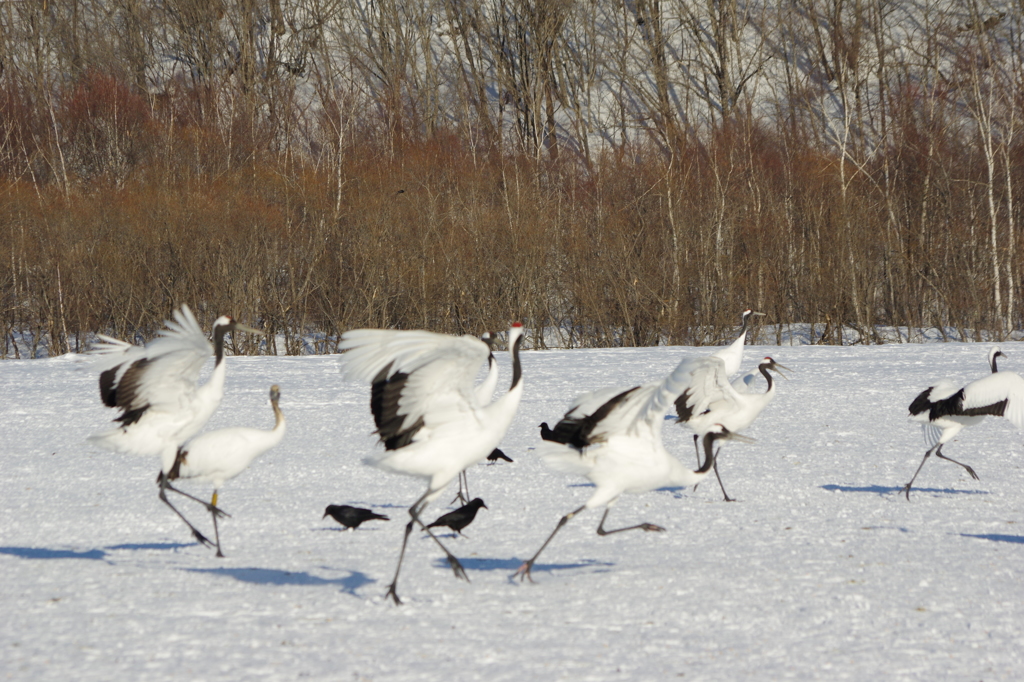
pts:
[702, 377]
[485, 389]
[484, 393]
[221, 455]
[944, 410]
[709, 398]
[732, 355]
[613, 438]
[157, 389]
[427, 408]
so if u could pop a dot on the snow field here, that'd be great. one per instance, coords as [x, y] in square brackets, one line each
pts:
[820, 570]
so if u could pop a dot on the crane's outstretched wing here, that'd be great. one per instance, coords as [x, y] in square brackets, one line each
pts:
[693, 386]
[588, 419]
[162, 374]
[697, 384]
[999, 395]
[920, 408]
[418, 378]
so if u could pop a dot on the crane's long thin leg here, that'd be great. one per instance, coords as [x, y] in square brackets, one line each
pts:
[696, 447]
[524, 570]
[401, 555]
[162, 481]
[195, 531]
[715, 466]
[216, 531]
[463, 499]
[452, 561]
[938, 453]
[641, 526]
[906, 488]
[414, 513]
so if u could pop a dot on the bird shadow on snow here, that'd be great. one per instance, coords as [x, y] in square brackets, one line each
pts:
[342, 529]
[513, 564]
[155, 545]
[46, 553]
[270, 576]
[884, 490]
[94, 554]
[996, 537]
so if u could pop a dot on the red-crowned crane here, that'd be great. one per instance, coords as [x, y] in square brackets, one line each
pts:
[709, 399]
[156, 388]
[427, 410]
[218, 456]
[944, 410]
[613, 438]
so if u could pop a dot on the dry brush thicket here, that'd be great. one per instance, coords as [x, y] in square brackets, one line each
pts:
[615, 173]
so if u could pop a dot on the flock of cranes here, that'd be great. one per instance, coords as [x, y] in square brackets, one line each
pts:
[434, 421]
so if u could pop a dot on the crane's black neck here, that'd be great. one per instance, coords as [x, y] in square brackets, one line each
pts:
[218, 341]
[994, 368]
[763, 367]
[709, 455]
[517, 370]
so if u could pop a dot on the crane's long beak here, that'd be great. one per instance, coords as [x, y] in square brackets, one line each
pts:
[777, 367]
[738, 437]
[239, 327]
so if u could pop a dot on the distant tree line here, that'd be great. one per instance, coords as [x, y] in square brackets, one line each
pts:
[613, 172]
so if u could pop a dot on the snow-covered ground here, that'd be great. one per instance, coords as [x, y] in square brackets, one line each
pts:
[820, 570]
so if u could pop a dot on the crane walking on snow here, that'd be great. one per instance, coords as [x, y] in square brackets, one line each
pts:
[427, 411]
[613, 437]
[156, 388]
[730, 404]
[218, 456]
[943, 410]
[726, 361]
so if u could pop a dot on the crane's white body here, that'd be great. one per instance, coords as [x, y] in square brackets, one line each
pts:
[977, 395]
[221, 455]
[457, 429]
[723, 403]
[162, 379]
[623, 464]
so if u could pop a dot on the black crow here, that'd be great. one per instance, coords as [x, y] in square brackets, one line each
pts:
[351, 517]
[461, 517]
[498, 454]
